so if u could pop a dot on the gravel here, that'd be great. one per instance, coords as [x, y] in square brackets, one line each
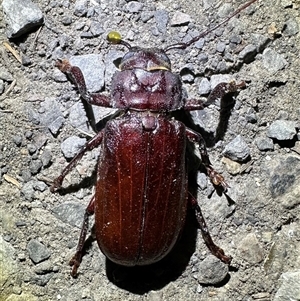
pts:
[256, 221]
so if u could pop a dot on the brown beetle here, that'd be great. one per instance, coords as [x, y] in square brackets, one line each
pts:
[141, 191]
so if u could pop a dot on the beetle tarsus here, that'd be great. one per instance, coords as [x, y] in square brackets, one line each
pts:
[56, 184]
[63, 65]
[215, 250]
[76, 259]
[75, 263]
[216, 178]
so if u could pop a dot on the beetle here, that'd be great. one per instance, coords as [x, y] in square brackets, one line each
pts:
[141, 193]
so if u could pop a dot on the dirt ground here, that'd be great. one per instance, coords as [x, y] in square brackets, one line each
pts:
[257, 222]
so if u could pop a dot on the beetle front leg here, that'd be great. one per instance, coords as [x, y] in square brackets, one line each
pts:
[94, 142]
[215, 250]
[76, 259]
[214, 176]
[75, 75]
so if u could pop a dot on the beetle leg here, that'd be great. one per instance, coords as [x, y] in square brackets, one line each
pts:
[76, 259]
[94, 142]
[76, 77]
[215, 250]
[218, 92]
[214, 176]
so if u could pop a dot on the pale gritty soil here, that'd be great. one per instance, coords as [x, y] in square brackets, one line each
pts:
[261, 231]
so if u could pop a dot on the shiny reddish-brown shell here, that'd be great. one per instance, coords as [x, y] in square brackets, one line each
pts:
[141, 191]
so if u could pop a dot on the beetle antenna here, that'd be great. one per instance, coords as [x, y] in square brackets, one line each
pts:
[203, 34]
[114, 37]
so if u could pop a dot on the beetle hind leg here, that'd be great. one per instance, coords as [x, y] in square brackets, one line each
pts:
[215, 250]
[76, 259]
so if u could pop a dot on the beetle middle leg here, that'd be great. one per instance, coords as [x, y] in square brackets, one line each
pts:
[214, 176]
[219, 92]
[215, 250]
[94, 142]
[76, 259]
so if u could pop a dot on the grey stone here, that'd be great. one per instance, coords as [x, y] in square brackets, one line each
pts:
[286, 3]
[292, 198]
[250, 249]
[17, 139]
[212, 271]
[93, 69]
[261, 41]
[26, 175]
[292, 27]
[180, 18]
[40, 186]
[162, 19]
[237, 150]
[41, 280]
[264, 143]
[273, 61]
[235, 39]
[96, 29]
[282, 130]
[80, 8]
[51, 111]
[21, 16]
[31, 148]
[200, 43]
[134, 7]
[71, 213]
[44, 267]
[78, 117]
[1, 86]
[290, 287]
[56, 125]
[46, 157]
[146, 16]
[248, 54]
[9, 266]
[37, 251]
[202, 180]
[71, 146]
[66, 20]
[220, 47]
[6, 75]
[35, 166]
[204, 86]
[281, 176]
[220, 78]
[27, 191]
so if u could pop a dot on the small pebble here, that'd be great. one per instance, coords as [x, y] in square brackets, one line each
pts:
[237, 150]
[71, 146]
[282, 130]
[37, 251]
[264, 144]
[212, 271]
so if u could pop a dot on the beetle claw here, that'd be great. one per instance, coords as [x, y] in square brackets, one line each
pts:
[216, 178]
[74, 263]
[56, 184]
[63, 65]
